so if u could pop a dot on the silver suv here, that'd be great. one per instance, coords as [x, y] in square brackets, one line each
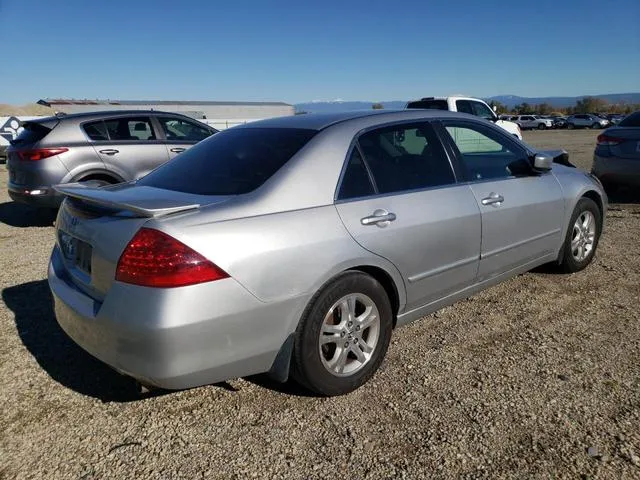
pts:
[98, 147]
[530, 122]
[586, 121]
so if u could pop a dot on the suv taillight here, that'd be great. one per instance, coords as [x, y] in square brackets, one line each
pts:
[155, 259]
[40, 153]
[606, 140]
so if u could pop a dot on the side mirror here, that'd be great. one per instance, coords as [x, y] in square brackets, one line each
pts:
[542, 162]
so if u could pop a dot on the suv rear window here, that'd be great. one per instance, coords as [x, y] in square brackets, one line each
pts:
[429, 104]
[231, 162]
[32, 132]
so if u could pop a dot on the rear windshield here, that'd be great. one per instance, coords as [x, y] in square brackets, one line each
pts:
[32, 132]
[429, 104]
[632, 120]
[231, 162]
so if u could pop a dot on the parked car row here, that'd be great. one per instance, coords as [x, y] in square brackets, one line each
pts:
[542, 122]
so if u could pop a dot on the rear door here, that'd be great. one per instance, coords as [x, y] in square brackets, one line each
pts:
[132, 148]
[522, 213]
[399, 199]
[180, 133]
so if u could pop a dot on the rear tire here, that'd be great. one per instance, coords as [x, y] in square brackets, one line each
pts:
[582, 237]
[343, 336]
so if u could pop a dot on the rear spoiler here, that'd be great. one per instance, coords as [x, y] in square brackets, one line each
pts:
[119, 200]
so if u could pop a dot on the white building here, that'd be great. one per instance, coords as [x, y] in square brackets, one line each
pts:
[219, 115]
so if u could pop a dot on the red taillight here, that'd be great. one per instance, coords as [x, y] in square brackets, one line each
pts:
[607, 140]
[155, 259]
[40, 153]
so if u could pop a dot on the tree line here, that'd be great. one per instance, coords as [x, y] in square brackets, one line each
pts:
[584, 105]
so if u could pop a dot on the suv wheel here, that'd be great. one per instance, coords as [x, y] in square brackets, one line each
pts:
[343, 335]
[541, 126]
[595, 125]
[570, 126]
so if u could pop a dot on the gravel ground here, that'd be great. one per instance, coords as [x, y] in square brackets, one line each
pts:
[537, 377]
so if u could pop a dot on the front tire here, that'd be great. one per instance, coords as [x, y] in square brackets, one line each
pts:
[583, 235]
[570, 126]
[542, 126]
[595, 126]
[343, 336]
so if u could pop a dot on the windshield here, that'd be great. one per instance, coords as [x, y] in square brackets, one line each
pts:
[232, 162]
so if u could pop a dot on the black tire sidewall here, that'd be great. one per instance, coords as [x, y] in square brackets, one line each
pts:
[307, 365]
[569, 263]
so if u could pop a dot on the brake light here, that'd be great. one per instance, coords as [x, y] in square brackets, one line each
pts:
[155, 259]
[40, 153]
[608, 141]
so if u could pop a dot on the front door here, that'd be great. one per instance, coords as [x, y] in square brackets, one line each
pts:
[399, 199]
[522, 212]
[181, 134]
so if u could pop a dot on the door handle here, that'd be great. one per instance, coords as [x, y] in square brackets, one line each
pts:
[493, 199]
[380, 217]
[109, 151]
[178, 150]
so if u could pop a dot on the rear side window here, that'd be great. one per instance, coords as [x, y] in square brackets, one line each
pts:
[464, 106]
[177, 129]
[130, 128]
[32, 132]
[429, 104]
[96, 131]
[632, 120]
[406, 157]
[231, 162]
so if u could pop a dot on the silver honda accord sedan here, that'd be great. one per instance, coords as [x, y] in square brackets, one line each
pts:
[296, 245]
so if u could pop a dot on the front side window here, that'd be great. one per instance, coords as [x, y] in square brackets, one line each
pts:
[177, 129]
[130, 129]
[485, 153]
[405, 157]
[231, 162]
[482, 111]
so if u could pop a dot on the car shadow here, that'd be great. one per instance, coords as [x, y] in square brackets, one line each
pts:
[624, 195]
[21, 215]
[71, 366]
[56, 353]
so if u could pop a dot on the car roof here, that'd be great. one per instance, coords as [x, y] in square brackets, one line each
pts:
[320, 121]
[105, 114]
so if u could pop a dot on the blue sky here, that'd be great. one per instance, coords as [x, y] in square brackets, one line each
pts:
[298, 51]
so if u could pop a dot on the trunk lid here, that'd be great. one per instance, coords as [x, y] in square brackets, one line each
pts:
[630, 145]
[94, 226]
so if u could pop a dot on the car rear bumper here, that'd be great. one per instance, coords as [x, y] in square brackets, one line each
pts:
[39, 196]
[617, 170]
[175, 338]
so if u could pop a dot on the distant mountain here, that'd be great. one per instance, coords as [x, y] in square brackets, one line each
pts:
[509, 100]
[512, 100]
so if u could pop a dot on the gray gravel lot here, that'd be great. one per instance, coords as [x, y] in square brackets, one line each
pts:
[537, 377]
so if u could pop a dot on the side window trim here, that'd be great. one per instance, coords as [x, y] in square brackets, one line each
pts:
[89, 139]
[504, 136]
[368, 168]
